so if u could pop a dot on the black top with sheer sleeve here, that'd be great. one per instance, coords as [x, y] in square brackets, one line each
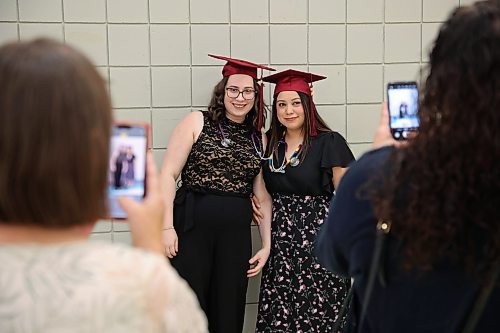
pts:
[313, 176]
[213, 168]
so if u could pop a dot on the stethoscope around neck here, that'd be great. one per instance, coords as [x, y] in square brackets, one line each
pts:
[293, 161]
[225, 141]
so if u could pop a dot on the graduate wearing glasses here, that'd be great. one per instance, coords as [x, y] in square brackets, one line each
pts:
[207, 220]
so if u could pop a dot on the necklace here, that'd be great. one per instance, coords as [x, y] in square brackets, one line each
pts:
[257, 142]
[293, 161]
[225, 141]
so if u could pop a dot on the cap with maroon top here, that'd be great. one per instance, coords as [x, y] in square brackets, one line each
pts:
[292, 80]
[237, 66]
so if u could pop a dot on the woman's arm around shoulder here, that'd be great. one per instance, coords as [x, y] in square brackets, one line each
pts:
[264, 201]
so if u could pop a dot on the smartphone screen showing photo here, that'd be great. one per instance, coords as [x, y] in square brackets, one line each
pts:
[402, 100]
[127, 166]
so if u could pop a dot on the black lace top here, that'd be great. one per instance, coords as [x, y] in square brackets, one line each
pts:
[213, 168]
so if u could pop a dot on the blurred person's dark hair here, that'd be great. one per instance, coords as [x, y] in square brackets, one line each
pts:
[55, 121]
[444, 199]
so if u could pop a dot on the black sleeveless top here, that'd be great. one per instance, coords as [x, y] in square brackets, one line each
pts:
[213, 168]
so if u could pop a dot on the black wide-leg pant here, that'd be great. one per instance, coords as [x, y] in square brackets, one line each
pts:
[213, 258]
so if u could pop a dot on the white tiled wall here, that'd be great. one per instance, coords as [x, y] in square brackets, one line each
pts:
[154, 55]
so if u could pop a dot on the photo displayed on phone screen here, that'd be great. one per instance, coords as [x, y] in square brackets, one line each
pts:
[402, 100]
[127, 166]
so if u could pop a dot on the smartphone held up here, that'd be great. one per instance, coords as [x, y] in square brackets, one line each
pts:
[127, 165]
[402, 101]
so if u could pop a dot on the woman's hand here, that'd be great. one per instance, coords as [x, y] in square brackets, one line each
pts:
[257, 212]
[146, 218]
[383, 136]
[257, 262]
[263, 206]
[171, 242]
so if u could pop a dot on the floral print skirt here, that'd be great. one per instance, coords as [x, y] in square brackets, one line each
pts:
[297, 294]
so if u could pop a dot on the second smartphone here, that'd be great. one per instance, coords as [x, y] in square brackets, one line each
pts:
[402, 101]
[127, 165]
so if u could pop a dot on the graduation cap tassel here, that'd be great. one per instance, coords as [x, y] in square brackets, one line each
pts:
[311, 113]
[261, 103]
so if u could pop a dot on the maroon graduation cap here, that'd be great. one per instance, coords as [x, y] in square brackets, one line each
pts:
[237, 66]
[292, 80]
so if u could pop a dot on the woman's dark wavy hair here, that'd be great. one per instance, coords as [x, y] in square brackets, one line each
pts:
[444, 197]
[277, 128]
[217, 110]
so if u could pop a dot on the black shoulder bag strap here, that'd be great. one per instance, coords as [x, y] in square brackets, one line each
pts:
[481, 300]
[383, 229]
[346, 304]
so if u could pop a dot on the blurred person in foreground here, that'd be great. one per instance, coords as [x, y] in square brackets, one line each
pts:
[55, 127]
[440, 194]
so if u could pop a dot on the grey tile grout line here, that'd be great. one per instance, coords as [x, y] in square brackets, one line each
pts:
[308, 37]
[383, 50]
[217, 23]
[345, 72]
[107, 48]
[190, 56]
[109, 92]
[230, 29]
[204, 106]
[269, 59]
[269, 42]
[62, 21]
[150, 75]
[421, 41]
[18, 22]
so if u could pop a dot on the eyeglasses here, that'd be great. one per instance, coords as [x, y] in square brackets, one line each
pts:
[235, 93]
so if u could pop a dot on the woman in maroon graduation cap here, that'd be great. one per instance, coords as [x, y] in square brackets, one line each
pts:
[207, 221]
[306, 160]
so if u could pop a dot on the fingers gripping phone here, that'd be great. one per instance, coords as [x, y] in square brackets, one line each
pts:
[127, 165]
[402, 101]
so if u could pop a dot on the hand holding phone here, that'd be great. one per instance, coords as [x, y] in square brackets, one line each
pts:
[402, 101]
[127, 165]
[146, 218]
